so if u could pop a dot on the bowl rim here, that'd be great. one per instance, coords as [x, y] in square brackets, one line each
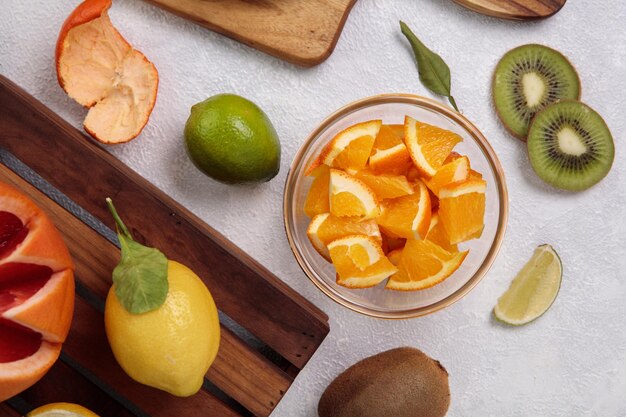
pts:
[493, 161]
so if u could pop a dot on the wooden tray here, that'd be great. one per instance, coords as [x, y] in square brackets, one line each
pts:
[242, 381]
[301, 32]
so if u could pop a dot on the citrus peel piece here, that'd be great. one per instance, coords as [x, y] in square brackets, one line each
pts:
[99, 69]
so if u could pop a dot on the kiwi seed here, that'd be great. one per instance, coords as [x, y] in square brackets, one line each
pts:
[527, 79]
[570, 146]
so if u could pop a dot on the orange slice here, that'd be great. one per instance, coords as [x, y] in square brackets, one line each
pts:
[398, 130]
[359, 261]
[317, 201]
[422, 265]
[351, 148]
[474, 175]
[390, 244]
[428, 145]
[351, 197]
[455, 155]
[437, 234]
[462, 209]
[394, 160]
[386, 138]
[457, 170]
[408, 216]
[394, 256]
[384, 185]
[324, 228]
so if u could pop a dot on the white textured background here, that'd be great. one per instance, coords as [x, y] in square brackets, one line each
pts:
[572, 361]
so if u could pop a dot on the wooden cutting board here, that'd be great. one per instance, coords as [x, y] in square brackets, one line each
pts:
[515, 9]
[303, 32]
[244, 380]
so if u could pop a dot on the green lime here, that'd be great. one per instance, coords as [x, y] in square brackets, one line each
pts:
[533, 290]
[232, 140]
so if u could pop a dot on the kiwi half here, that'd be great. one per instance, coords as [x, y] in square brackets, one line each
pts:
[527, 79]
[570, 146]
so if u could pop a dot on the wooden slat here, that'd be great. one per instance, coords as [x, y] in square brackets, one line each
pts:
[86, 173]
[64, 384]
[238, 370]
[515, 9]
[7, 411]
[302, 32]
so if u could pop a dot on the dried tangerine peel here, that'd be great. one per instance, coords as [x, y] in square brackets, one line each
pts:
[99, 69]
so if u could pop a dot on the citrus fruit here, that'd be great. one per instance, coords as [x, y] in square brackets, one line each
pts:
[533, 290]
[351, 197]
[359, 261]
[36, 292]
[386, 138]
[422, 265]
[462, 209]
[437, 234]
[390, 244]
[385, 185]
[395, 160]
[232, 140]
[350, 149]
[61, 410]
[172, 347]
[455, 171]
[324, 228]
[408, 216]
[317, 199]
[428, 145]
[99, 69]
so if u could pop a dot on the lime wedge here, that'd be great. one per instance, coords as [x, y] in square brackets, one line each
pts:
[533, 290]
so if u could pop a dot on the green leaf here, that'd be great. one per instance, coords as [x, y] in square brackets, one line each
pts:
[141, 276]
[433, 71]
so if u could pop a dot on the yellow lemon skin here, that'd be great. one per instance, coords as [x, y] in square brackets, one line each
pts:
[170, 348]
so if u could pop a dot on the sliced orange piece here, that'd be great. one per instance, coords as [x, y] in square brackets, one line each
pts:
[462, 209]
[408, 216]
[391, 243]
[457, 170]
[395, 160]
[349, 149]
[455, 155]
[359, 261]
[474, 175]
[386, 138]
[437, 234]
[398, 130]
[422, 265]
[395, 256]
[351, 197]
[384, 185]
[324, 228]
[428, 145]
[452, 157]
[412, 174]
[317, 201]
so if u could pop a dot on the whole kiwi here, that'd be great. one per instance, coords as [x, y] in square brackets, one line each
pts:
[402, 382]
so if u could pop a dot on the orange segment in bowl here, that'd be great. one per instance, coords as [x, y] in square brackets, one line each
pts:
[359, 261]
[351, 197]
[457, 170]
[317, 201]
[423, 264]
[324, 228]
[462, 209]
[408, 216]
[351, 148]
[395, 160]
[385, 185]
[437, 234]
[428, 145]
[386, 138]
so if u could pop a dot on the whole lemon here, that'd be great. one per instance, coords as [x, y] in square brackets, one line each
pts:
[232, 140]
[172, 347]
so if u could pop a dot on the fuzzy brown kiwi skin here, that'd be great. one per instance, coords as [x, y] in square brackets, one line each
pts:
[493, 85]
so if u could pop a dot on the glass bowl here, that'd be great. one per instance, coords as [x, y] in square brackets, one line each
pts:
[378, 301]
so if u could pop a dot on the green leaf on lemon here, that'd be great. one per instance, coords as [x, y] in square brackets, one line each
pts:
[141, 276]
[433, 71]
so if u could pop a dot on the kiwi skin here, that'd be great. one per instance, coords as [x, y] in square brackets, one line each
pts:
[580, 184]
[402, 382]
[493, 86]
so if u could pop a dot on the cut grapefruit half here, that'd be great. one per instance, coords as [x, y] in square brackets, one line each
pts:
[36, 292]
[99, 69]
